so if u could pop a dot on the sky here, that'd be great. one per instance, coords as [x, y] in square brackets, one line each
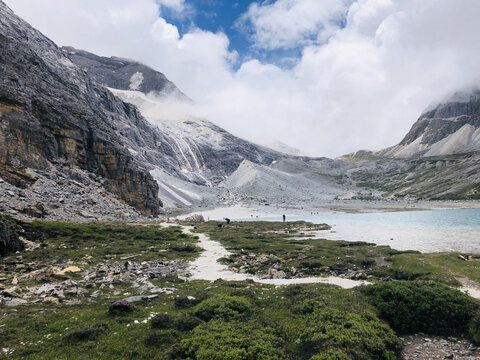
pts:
[328, 77]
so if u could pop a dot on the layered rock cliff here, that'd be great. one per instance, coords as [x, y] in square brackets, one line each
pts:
[52, 112]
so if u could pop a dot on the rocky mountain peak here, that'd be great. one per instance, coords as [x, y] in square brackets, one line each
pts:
[123, 74]
[451, 127]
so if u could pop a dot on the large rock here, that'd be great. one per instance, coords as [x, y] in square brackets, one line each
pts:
[9, 241]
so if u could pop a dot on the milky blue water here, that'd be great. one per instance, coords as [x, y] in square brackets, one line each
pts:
[426, 231]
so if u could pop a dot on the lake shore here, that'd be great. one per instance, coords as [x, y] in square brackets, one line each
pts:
[254, 210]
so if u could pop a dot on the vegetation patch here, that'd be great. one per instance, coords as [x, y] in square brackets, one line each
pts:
[87, 333]
[100, 241]
[336, 334]
[225, 307]
[421, 306]
[219, 340]
[230, 320]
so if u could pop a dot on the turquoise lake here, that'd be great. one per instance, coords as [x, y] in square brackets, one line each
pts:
[426, 231]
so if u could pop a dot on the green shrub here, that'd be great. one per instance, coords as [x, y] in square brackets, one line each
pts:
[226, 307]
[185, 302]
[219, 340]
[421, 306]
[244, 292]
[186, 322]
[304, 307]
[293, 291]
[332, 355]
[162, 321]
[339, 335]
[160, 338]
[398, 274]
[87, 333]
[184, 248]
[474, 328]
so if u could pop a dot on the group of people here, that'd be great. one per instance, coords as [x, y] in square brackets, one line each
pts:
[227, 220]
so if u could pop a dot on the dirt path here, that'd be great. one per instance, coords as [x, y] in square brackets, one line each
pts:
[207, 267]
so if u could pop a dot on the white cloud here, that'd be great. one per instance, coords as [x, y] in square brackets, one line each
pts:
[292, 23]
[176, 5]
[361, 88]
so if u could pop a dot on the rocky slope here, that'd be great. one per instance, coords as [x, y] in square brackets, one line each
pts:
[450, 177]
[82, 138]
[202, 154]
[452, 127]
[52, 112]
[439, 158]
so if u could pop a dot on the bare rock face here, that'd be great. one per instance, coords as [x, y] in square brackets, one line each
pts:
[197, 155]
[9, 241]
[52, 111]
[452, 127]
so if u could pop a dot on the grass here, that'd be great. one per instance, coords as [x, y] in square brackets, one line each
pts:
[301, 321]
[103, 241]
[87, 331]
[446, 267]
[220, 320]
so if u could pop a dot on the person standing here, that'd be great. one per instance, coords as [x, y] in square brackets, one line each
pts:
[284, 217]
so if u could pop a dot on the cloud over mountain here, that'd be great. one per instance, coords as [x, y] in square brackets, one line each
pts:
[366, 68]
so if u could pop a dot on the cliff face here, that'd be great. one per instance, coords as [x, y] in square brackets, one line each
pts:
[51, 111]
[452, 127]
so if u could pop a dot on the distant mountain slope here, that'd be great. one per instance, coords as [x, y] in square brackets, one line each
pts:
[452, 127]
[446, 177]
[123, 74]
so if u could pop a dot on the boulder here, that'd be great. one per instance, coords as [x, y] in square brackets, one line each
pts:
[64, 272]
[9, 240]
[15, 302]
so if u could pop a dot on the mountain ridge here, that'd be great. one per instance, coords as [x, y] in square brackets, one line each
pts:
[72, 142]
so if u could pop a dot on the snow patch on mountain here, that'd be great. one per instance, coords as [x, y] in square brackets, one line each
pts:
[136, 80]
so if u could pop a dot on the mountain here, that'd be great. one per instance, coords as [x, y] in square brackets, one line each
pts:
[438, 159]
[53, 114]
[202, 154]
[214, 166]
[452, 127]
[123, 74]
[65, 136]
[284, 148]
[90, 137]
